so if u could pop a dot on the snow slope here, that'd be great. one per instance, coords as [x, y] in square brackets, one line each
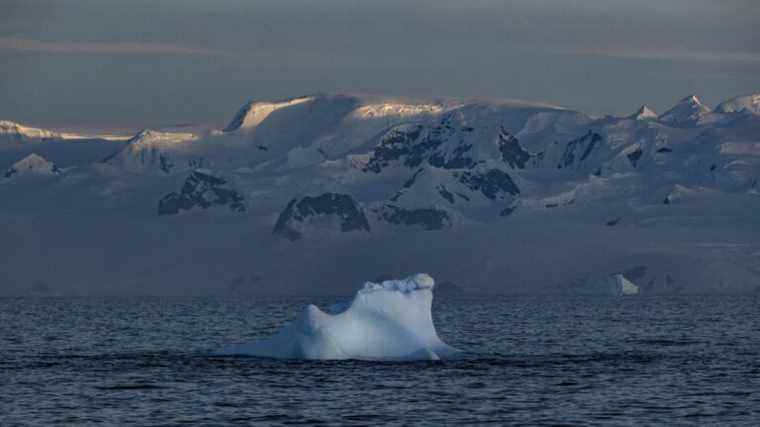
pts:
[154, 152]
[386, 321]
[750, 103]
[32, 164]
[687, 112]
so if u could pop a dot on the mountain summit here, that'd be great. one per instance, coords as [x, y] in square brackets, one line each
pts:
[644, 113]
[33, 164]
[687, 112]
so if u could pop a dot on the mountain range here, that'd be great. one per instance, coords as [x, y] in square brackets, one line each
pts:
[315, 193]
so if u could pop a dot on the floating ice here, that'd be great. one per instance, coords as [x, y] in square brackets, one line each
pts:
[623, 286]
[385, 321]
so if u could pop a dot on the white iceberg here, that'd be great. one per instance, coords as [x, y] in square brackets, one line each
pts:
[622, 286]
[385, 321]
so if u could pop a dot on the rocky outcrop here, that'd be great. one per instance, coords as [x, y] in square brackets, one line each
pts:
[493, 183]
[578, 150]
[512, 153]
[202, 190]
[440, 145]
[329, 210]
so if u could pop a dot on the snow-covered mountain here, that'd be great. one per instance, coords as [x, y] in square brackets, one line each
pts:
[688, 112]
[497, 196]
[749, 103]
[32, 165]
[644, 113]
[154, 152]
[14, 132]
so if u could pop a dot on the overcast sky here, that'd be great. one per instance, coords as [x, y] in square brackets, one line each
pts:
[128, 64]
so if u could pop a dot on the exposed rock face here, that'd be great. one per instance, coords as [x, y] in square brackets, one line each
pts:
[634, 156]
[428, 219]
[299, 214]
[202, 190]
[446, 194]
[493, 184]
[412, 145]
[512, 153]
[578, 150]
[398, 142]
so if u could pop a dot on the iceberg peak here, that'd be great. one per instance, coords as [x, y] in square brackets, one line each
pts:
[410, 284]
[390, 320]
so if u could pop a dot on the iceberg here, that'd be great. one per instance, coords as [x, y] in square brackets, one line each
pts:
[390, 320]
[622, 286]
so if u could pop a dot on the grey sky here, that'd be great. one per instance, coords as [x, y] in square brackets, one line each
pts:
[111, 63]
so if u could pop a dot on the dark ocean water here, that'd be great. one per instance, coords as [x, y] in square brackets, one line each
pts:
[531, 360]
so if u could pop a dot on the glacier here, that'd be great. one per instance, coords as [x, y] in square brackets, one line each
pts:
[390, 320]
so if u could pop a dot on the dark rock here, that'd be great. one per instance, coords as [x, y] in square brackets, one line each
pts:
[395, 144]
[512, 153]
[634, 156]
[493, 184]
[613, 222]
[204, 191]
[410, 181]
[418, 144]
[457, 160]
[664, 150]
[166, 164]
[343, 206]
[507, 211]
[445, 194]
[584, 145]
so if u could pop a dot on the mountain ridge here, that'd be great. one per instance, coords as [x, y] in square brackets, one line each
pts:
[333, 176]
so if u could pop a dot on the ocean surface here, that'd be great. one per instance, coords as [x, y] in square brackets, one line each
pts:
[530, 360]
